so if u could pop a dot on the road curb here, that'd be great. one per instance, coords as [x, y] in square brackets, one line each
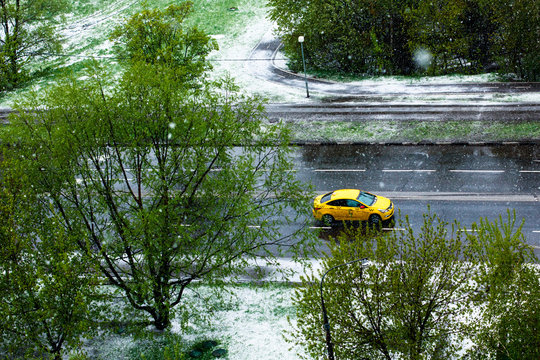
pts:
[410, 143]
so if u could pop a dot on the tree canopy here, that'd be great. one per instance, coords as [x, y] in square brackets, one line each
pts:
[163, 183]
[160, 37]
[48, 294]
[412, 36]
[27, 30]
[423, 293]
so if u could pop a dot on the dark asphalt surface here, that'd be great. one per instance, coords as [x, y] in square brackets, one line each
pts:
[463, 183]
[403, 112]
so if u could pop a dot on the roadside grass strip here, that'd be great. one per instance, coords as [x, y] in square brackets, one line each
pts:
[377, 131]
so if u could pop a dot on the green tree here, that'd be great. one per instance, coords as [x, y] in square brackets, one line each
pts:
[47, 290]
[27, 31]
[479, 34]
[516, 45]
[405, 304]
[345, 36]
[384, 37]
[437, 27]
[168, 183]
[159, 37]
[510, 304]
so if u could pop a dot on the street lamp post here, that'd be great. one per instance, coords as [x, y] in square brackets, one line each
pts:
[326, 325]
[301, 41]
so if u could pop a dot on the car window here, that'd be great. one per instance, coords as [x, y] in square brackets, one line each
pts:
[353, 203]
[326, 197]
[339, 202]
[366, 198]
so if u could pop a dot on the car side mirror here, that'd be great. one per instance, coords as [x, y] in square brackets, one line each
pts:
[362, 207]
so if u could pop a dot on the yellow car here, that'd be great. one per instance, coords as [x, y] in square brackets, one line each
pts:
[352, 205]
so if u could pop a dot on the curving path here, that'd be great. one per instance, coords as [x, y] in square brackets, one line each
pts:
[274, 70]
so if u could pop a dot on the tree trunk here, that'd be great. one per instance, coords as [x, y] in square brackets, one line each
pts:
[162, 314]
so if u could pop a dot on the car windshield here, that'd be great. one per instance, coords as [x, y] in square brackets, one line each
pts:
[366, 199]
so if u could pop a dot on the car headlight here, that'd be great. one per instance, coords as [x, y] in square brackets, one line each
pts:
[387, 209]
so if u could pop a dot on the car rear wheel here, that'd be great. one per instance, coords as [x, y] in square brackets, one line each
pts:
[375, 221]
[327, 219]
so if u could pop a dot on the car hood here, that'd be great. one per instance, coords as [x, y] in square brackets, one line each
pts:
[382, 202]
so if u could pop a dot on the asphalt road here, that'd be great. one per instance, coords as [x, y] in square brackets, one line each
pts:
[463, 183]
[347, 111]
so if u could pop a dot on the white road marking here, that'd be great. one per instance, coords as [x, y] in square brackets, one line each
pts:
[536, 231]
[81, 180]
[339, 170]
[530, 171]
[424, 170]
[408, 170]
[477, 171]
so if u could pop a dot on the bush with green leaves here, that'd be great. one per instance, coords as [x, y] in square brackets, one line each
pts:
[510, 305]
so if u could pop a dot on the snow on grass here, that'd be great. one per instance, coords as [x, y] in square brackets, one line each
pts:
[413, 131]
[253, 329]
[248, 321]
[238, 26]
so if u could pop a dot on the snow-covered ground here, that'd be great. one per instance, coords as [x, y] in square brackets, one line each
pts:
[250, 324]
[87, 36]
[250, 320]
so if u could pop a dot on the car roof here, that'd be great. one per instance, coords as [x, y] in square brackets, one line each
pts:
[345, 194]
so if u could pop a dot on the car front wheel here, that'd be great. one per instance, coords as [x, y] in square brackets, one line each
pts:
[375, 221]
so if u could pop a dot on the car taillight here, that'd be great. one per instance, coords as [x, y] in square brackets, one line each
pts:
[316, 208]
